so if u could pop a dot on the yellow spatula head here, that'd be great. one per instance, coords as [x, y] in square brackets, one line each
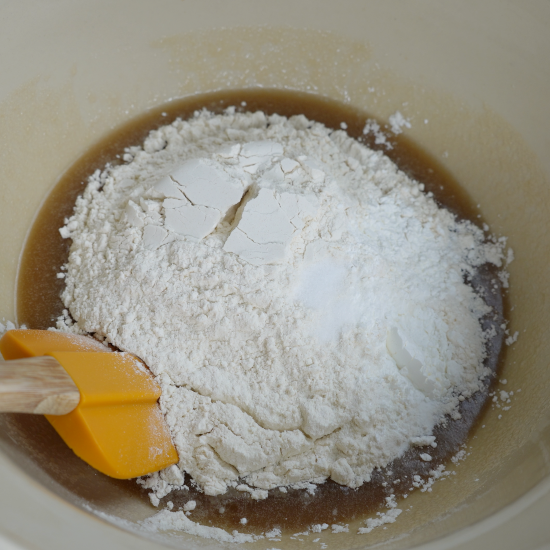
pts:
[117, 427]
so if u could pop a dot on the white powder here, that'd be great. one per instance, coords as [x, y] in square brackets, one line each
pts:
[300, 300]
[397, 122]
[5, 326]
[189, 506]
[382, 517]
[166, 521]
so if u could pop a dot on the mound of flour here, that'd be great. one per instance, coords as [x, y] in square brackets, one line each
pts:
[300, 300]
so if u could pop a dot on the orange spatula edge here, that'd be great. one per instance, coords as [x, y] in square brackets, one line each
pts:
[103, 404]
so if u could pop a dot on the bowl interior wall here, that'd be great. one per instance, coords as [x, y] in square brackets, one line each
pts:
[58, 103]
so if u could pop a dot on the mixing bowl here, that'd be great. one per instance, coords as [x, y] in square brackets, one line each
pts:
[473, 79]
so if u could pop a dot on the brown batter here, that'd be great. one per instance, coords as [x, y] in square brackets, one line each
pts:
[38, 305]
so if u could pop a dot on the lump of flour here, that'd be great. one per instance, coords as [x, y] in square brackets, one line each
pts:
[299, 299]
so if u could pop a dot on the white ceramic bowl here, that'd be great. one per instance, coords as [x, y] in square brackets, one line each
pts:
[72, 70]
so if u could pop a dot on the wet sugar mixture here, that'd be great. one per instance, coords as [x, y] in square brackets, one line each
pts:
[318, 257]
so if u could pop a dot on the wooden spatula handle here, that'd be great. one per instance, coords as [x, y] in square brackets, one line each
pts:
[37, 385]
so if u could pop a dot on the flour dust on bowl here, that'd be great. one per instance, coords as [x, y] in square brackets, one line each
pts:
[468, 85]
[324, 327]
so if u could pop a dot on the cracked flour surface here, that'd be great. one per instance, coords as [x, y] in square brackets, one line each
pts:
[301, 302]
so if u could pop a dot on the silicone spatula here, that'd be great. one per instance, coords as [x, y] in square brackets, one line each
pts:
[102, 403]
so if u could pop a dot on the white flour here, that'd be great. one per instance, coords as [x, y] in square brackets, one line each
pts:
[299, 299]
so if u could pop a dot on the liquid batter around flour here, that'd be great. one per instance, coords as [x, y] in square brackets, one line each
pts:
[39, 305]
